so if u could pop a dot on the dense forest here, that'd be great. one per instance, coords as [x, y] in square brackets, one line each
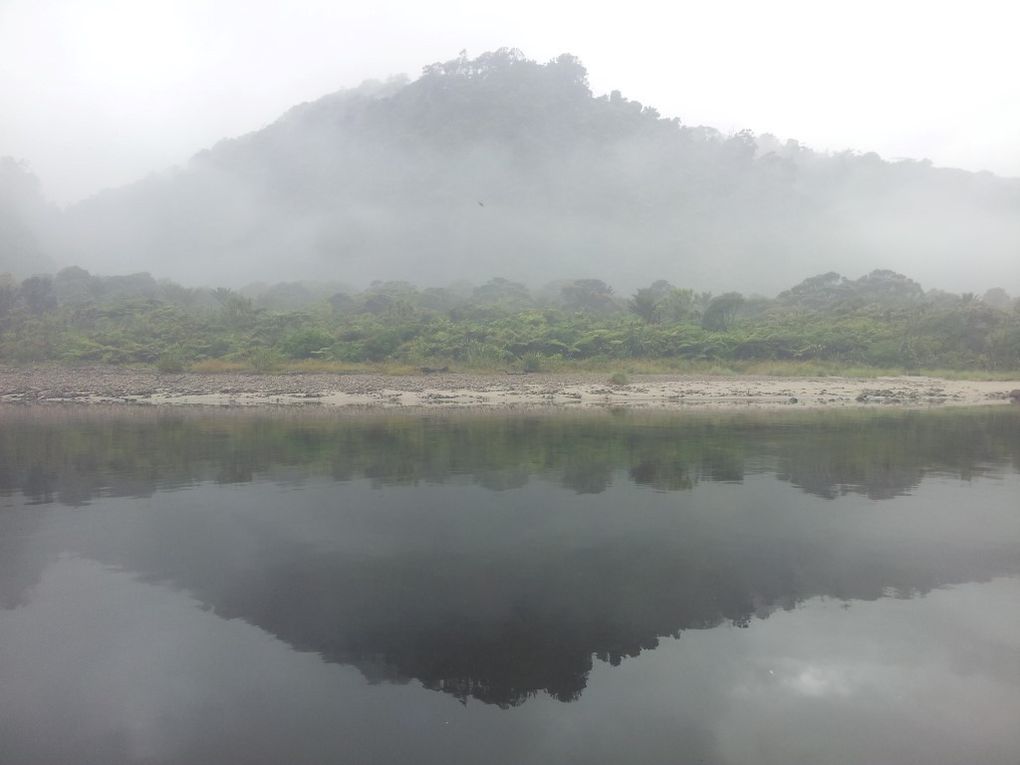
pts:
[881, 320]
[504, 165]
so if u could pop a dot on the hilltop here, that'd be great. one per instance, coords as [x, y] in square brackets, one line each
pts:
[504, 165]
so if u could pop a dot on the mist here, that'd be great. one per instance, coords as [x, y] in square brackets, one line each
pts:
[474, 398]
[503, 166]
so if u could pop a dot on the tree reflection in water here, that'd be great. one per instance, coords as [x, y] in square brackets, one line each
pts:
[497, 557]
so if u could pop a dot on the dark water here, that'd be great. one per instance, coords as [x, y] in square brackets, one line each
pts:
[257, 588]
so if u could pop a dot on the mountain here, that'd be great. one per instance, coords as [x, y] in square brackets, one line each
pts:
[500, 165]
[23, 215]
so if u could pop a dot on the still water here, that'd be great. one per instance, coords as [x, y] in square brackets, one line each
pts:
[196, 587]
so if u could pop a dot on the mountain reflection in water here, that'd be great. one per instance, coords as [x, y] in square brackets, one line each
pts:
[497, 557]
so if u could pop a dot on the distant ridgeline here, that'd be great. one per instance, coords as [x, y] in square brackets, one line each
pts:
[500, 164]
[882, 319]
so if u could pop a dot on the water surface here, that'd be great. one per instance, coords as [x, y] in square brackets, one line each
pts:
[189, 587]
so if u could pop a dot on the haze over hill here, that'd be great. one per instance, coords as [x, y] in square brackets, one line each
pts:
[500, 165]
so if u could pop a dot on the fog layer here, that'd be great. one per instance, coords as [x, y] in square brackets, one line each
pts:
[503, 166]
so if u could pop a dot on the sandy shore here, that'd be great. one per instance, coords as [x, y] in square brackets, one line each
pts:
[106, 385]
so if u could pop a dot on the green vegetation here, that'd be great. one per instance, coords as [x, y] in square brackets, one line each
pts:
[171, 362]
[881, 323]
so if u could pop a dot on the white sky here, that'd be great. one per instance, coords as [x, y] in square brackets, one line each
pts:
[97, 93]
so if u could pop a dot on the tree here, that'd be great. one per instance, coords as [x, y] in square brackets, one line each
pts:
[342, 303]
[643, 305]
[818, 293]
[997, 297]
[676, 306]
[887, 289]
[74, 286]
[662, 302]
[8, 294]
[569, 70]
[588, 296]
[503, 293]
[721, 311]
[38, 294]
[236, 309]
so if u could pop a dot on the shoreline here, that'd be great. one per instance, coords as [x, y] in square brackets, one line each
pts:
[569, 391]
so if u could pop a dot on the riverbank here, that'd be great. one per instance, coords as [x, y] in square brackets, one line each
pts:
[113, 385]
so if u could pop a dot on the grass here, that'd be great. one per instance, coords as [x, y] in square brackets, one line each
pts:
[312, 366]
[170, 363]
[219, 366]
[303, 366]
[554, 365]
[973, 374]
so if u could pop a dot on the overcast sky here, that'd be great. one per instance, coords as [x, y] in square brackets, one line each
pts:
[97, 93]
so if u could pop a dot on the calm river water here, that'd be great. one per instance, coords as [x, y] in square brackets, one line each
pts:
[276, 587]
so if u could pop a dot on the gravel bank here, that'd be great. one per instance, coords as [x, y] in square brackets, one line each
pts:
[106, 385]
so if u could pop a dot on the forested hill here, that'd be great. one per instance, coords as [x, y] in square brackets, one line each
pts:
[24, 217]
[502, 165]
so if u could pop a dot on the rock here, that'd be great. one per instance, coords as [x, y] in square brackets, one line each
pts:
[1014, 395]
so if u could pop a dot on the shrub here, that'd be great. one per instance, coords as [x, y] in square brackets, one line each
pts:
[306, 343]
[533, 362]
[170, 362]
[264, 360]
[619, 378]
